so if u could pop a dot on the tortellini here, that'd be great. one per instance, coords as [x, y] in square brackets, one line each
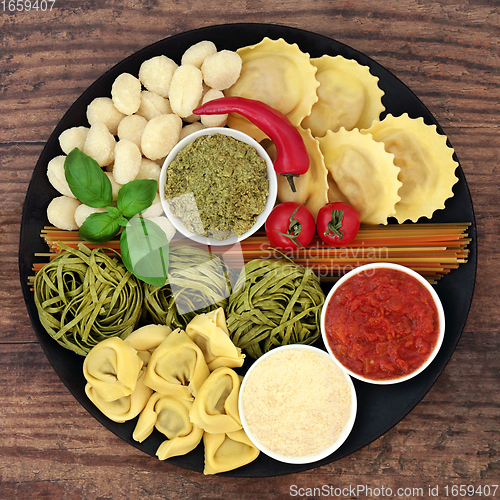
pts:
[364, 172]
[228, 451]
[215, 408]
[177, 367]
[147, 338]
[115, 379]
[279, 74]
[349, 96]
[125, 408]
[170, 416]
[426, 163]
[112, 368]
[210, 333]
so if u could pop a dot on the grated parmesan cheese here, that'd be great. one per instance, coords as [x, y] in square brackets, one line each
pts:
[296, 402]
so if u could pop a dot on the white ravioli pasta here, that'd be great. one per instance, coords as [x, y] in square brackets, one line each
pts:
[156, 74]
[100, 144]
[102, 109]
[126, 93]
[61, 212]
[153, 105]
[349, 96]
[73, 138]
[222, 69]
[364, 172]
[213, 120]
[160, 135]
[83, 211]
[185, 90]
[198, 52]
[426, 163]
[131, 128]
[278, 74]
[57, 177]
[127, 161]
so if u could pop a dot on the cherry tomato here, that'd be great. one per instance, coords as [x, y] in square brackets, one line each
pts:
[290, 225]
[338, 223]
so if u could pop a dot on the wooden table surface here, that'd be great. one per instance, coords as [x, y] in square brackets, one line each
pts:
[447, 52]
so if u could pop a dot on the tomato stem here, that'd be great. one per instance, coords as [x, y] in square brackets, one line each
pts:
[334, 227]
[294, 228]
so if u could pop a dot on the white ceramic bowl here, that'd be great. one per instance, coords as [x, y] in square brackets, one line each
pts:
[303, 458]
[367, 269]
[271, 174]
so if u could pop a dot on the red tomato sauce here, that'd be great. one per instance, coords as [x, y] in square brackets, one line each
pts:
[382, 324]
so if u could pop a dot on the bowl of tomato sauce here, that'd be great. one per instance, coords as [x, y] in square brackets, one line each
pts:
[383, 323]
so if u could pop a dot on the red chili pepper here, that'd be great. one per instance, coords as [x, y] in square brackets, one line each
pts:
[292, 159]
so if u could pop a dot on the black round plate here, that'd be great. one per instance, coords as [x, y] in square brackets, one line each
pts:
[379, 407]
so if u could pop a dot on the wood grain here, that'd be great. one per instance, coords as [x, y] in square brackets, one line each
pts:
[447, 52]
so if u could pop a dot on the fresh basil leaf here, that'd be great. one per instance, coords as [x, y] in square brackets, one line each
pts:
[144, 251]
[122, 221]
[136, 196]
[113, 212]
[117, 215]
[99, 227]
[87, 180]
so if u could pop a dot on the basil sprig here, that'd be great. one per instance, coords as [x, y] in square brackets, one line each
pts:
[143, 244]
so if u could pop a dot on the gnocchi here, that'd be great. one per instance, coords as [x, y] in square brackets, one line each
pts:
[131, 128]
[57, 177]
[160, 135]
[126, 93]
[156, 74]
[185, 90]
[73, 138]
[213, 120]
[100, 144]
[221, 70]
[61, 212]
[198, 52]
[127, 161]
[102, 109]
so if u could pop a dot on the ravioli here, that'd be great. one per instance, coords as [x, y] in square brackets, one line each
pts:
[426, 163]
[279, 74]
[348, 96]
[364, 173]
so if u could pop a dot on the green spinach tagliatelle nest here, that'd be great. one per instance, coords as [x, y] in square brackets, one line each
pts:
[275, 303]
[84, 296]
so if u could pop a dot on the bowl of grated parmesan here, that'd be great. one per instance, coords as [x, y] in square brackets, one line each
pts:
[296, 405]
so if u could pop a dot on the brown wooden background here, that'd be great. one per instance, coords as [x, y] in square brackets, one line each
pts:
[447, 52]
